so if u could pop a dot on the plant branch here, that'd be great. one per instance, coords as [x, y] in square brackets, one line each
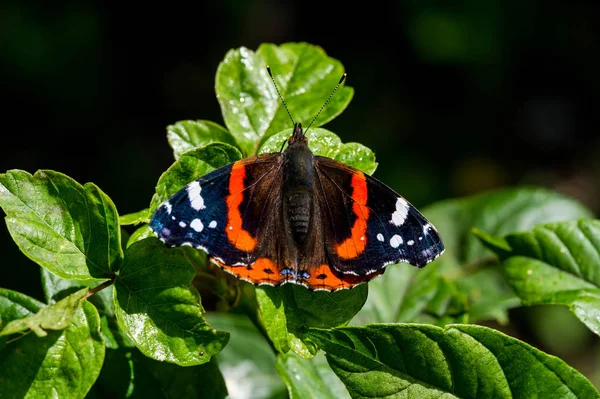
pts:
[100, 287]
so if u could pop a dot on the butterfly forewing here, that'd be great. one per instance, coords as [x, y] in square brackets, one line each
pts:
[186, 218]
[367, 225]
[224, 212]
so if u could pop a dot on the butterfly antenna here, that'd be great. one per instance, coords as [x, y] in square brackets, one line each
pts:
[326, 101]
[280, 96]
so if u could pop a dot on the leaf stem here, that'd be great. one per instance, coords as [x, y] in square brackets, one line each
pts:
[100, 287]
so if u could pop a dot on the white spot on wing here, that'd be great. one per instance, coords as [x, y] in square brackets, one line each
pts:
[399, 215]
[212, 224]
[197, 225]
[380, 237]
[182, 224]
[395, 241]
[196, 200]
[410, 242]
[168, 207]
[426, 228]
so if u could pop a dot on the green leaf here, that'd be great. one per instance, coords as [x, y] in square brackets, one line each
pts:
[359, 156]
[56, 288]
[14, 306]
[52, 317]
[495, 213]
[309, 378]
[119, 378]
[321, 141]
[459, 361]
[327, 144]
[386, 295]
[69, 229]
[272, 309]
[558, 263]
[497, 244]
[64, 363]
[139, 234]
[191, 166]
[127, 373]
[203, 381]
[142, 216]
[247, 362]
[305, 76]
[432, 298]
[407, 294]
[288, 310]
[156, 304]
[490, 294]
[184, 136]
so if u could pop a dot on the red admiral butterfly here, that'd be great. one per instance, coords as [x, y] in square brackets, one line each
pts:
[293, 217]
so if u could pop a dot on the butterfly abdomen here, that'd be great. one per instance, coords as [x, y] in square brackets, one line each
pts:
[299, 203]
[298, 189]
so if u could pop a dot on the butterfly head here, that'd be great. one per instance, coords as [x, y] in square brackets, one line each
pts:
[298, 137]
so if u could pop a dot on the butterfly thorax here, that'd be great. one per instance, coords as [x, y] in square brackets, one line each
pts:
[297, 187]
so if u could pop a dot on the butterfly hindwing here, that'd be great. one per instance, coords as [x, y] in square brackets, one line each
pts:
[368, 225]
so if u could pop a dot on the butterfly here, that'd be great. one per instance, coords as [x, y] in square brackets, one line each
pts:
[293, 217]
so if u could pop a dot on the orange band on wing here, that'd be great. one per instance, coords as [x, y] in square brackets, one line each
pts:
[239, 237]
[325, 278]
[355, 244]
[262, 271]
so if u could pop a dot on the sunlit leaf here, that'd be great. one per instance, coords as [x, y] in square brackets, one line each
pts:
[52, 317]
[142, 216]
[191, 166]
[305, 76]
[156, 304]
[139, 234]
[325, 143]
[558, 263]
[459, 361]
[65, 363]
[187, 135]
[69, 229]
[359, 156]
[55, 288]
[288, 310]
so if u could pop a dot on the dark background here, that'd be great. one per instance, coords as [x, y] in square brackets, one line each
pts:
[454, 97]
